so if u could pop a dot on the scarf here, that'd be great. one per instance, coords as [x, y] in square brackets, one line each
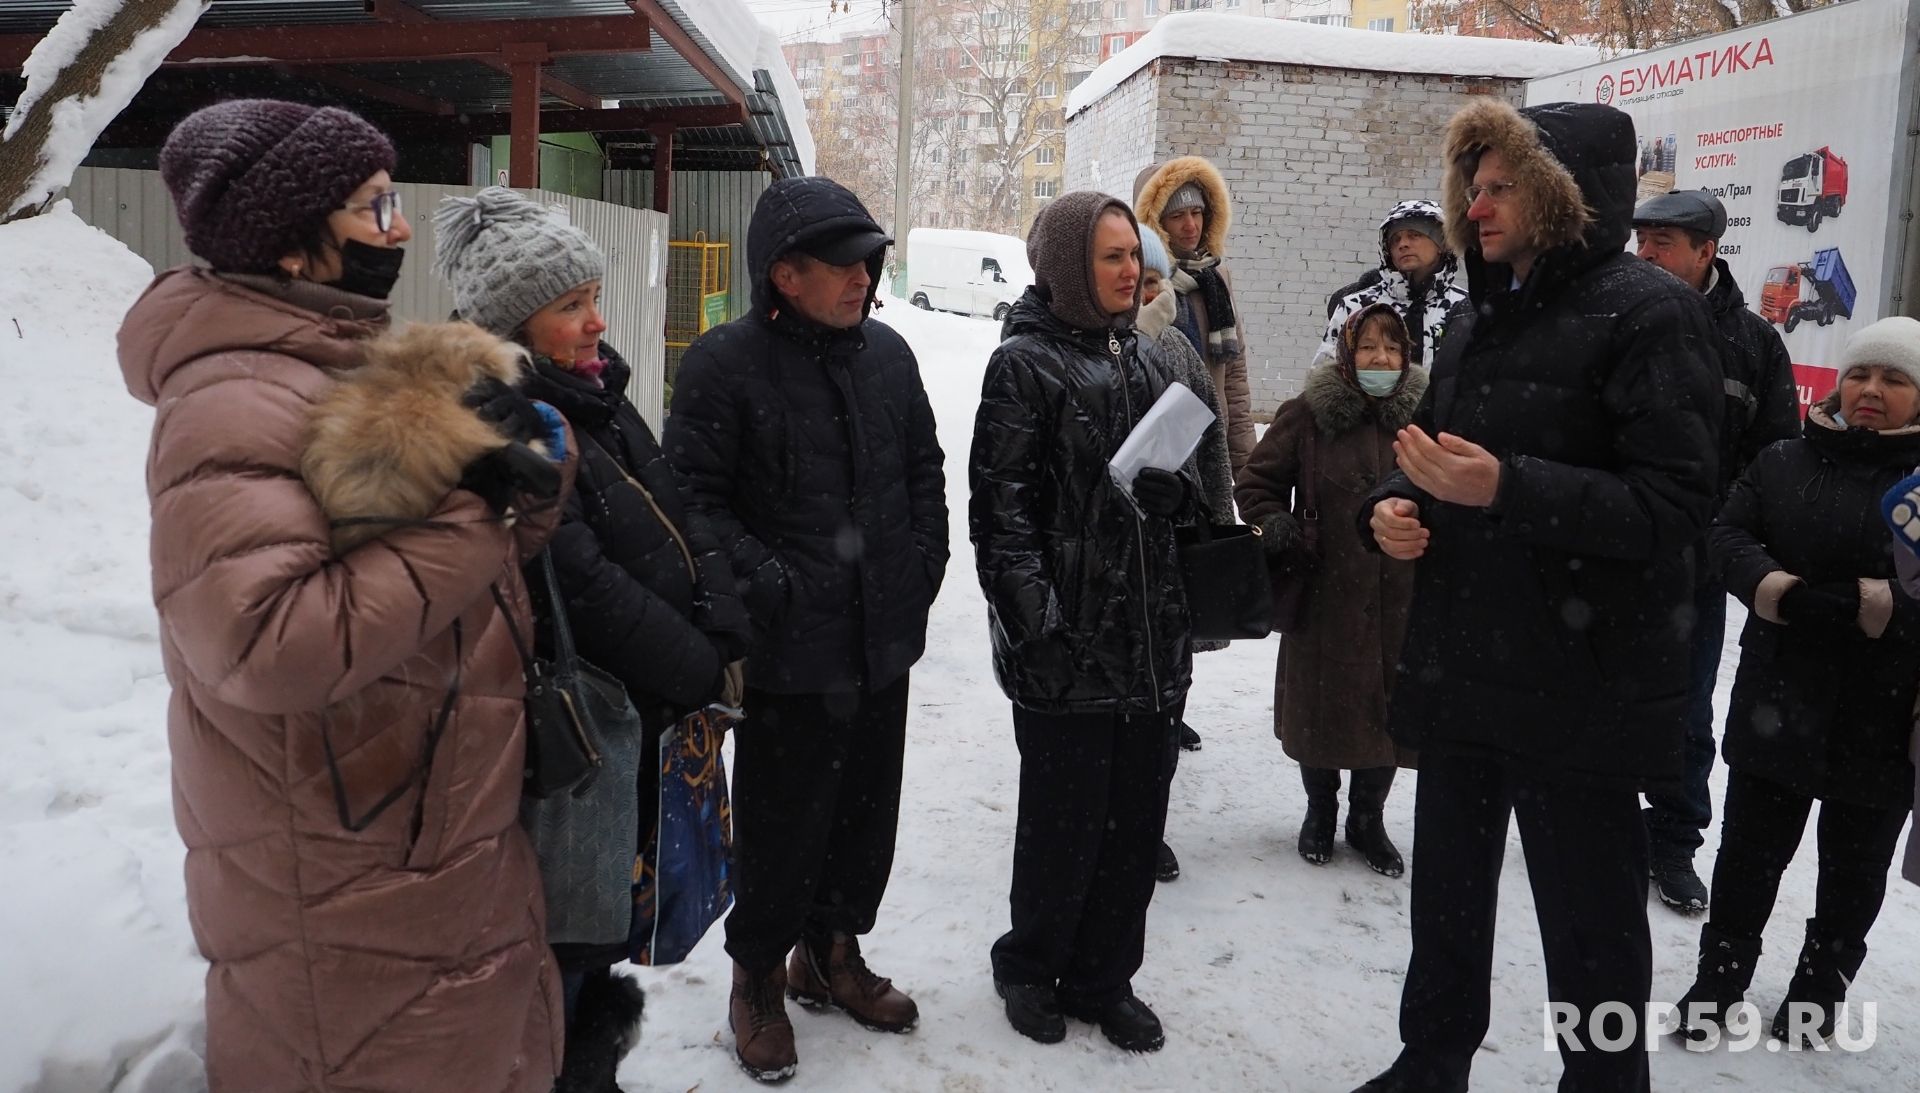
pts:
[1203, 274]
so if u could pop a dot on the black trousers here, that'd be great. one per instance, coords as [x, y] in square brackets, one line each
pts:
[816, 801]
[1586, 853]
[1761, 829]
[1093, 808]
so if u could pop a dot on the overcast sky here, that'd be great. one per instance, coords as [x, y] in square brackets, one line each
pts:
[799, 20]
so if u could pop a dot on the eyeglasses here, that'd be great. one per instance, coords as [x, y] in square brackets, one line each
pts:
[385, 207]
[1495, 191]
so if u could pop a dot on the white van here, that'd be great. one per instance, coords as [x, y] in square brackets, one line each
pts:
[969, 272]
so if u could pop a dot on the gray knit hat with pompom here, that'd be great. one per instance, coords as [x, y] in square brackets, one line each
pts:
[507, 257]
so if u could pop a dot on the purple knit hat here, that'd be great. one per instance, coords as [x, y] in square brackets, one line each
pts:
[252, 178]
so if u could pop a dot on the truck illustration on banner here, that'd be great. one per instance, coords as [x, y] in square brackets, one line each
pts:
[1813, 187]
[1832, 297]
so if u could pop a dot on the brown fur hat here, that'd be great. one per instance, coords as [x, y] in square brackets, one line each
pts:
[1156, 185]
[393, 437]
[1552, 204]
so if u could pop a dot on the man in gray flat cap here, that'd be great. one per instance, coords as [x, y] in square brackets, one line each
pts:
[1680, 232]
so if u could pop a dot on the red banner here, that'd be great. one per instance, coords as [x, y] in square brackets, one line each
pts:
[1813, 382]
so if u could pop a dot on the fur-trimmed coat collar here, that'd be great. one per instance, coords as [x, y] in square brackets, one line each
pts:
[1338, 405]
[1575, 166]
[1158, 186]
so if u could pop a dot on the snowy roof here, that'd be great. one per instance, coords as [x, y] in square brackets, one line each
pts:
[1210, 36]
[750, 51]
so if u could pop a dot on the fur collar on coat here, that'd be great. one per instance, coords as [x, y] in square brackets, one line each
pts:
[1338, 405]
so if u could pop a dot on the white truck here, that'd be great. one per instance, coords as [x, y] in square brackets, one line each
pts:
[1744, 109]
[967, 272]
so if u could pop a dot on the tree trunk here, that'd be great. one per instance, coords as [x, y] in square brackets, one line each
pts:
[32, 169]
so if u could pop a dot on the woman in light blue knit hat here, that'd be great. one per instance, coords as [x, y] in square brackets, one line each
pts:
[649, 595]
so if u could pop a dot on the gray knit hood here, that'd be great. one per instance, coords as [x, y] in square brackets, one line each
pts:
[1060, 250]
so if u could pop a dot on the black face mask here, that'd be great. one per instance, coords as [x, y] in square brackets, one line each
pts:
[367, 270]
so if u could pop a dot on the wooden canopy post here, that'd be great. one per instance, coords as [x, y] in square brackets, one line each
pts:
[662, 165]
[525, 60]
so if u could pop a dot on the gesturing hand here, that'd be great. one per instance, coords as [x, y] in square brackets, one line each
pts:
[1451, 468]
[1396, 527]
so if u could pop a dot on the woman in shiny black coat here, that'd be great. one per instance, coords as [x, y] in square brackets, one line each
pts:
[1089, 623]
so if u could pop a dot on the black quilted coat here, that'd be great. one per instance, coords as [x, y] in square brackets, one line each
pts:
[1825, 714]
[635, 609]
[1084, 597]
[812, 453]
[1553, 626]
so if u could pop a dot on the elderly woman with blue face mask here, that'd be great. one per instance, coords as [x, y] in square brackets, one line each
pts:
[1325, 450]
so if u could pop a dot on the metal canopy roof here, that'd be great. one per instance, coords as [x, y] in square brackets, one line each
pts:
[396, 92]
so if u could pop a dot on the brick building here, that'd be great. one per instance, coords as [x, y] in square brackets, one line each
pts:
[1318, 131]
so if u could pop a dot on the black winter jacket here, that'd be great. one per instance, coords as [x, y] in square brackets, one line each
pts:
[1084, 599]
[1550, 626]
[1824, 714]
[635, 609]
[812, 453]
[1762, 404]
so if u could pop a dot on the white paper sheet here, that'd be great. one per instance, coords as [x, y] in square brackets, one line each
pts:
[1165, 438]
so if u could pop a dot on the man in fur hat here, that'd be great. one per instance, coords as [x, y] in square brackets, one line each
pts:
[1550, 487]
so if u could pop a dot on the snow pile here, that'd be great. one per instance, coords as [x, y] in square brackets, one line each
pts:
[95, 952]
[77, 121]
[1285, 41]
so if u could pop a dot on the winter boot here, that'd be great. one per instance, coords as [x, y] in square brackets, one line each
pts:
[1720, 984]
[1827, 966]
[1675, 882]
[1366, 826]
[833, 973]
[605, 1026]
[1367, 833]
[1323, 813]
[1126, 1021]
[1166, 867]
[1033, 1011]
[1316, 831]
[1189, 740]
[762, 1035]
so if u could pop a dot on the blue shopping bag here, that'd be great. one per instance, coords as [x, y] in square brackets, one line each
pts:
[682, 880]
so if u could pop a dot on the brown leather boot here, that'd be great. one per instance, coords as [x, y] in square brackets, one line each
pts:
[841, 979]
[762, 1035]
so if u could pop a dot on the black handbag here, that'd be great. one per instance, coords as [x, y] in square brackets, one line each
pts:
[1224, 568]
[1291, 575]
[572, 706]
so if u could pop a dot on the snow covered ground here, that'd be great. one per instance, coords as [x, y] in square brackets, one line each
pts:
[1270, 974]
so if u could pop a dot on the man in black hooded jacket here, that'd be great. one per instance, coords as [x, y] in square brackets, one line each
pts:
[1553, 480]
[804, 436]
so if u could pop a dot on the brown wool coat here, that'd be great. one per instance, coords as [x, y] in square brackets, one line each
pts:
[409, 956]
[1330, 699]
[1154, 186]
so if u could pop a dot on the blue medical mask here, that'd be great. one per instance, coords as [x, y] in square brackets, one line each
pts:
[1377, 383]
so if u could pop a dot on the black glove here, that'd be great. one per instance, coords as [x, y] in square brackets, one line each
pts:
[507, 409]
[1829, 608]
[1159, 493]
[1279, 534]
[512, 470]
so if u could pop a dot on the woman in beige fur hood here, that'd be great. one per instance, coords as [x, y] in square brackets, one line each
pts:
[346, 723]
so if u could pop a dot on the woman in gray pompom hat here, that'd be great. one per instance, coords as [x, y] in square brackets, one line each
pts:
[670, 632]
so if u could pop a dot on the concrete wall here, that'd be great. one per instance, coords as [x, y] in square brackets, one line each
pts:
[1314, 158]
